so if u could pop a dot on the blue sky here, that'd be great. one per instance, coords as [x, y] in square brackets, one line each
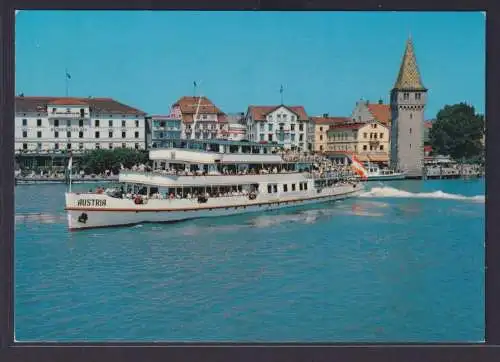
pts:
[326, 61]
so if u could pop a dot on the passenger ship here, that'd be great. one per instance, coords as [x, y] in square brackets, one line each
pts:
[186, 184]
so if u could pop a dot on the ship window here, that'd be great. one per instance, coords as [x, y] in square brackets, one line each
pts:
[293, 187]
[301, 186]
[275, 188]
[285, 188]
[269, 189]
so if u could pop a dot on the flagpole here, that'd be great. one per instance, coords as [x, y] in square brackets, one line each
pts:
[67, 82]
[281, 92]
[194, 88]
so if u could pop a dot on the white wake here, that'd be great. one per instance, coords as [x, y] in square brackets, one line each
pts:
[390, 192]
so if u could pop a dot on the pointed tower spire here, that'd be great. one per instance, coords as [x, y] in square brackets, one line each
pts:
[409, 75]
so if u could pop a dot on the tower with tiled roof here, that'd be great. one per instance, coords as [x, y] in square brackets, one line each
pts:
[408, 100]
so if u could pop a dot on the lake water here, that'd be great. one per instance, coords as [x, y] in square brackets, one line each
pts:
[402, 263]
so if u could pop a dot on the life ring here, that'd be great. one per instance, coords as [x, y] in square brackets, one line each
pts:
[252, 196]
[138, 200]
[83, 218]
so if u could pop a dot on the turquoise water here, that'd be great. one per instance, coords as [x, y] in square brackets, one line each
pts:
[391, 266]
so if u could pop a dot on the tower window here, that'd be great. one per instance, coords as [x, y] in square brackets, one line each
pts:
[411, 115]
[410, 133]
[406, 96]
[410, 146]
[418, 96]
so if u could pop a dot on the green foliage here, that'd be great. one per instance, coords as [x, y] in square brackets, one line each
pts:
[98, 161]
[458, 132]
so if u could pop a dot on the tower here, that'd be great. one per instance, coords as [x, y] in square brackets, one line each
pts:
[408, 99]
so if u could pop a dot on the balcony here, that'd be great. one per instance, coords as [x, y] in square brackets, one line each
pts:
[68, 115]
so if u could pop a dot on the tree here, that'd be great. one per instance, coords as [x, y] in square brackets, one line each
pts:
[458, 132]
[98, 161]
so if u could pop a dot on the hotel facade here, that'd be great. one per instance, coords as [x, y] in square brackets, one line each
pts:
[287, 126]
[46, 125]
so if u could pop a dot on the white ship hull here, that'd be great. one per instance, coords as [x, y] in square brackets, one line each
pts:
[87, 211]
[392, 177]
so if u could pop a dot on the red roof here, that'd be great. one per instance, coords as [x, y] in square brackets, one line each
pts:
[356, 125]
[427, 148]
[259, 113]
[330, 120]
[428, 124]
[381, 112]
[96, 105]
[189, 105]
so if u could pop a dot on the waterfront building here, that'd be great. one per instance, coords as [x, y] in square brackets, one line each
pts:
[236, 126]
[364, 112]
[201, 118]
[287, 126]
[408, 100]
[368, 141]
[46, 128]
[163, 129]
[321, 126]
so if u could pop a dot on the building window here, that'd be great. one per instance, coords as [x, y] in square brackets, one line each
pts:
[270, 127]
[137, 123]
[365, 148]
[136, 134]
[292, 127]
[293, 187]
[301, 127]
[418, 96]
[56, 146]
[381, 147]
[110, 146]
[80, 123]
[68, 134]
[406, 96]
[285, 188]
[381, 135]
[56, 134]
[110, 123]
[262, 137]
[124, 123]
[321, 129]
[68, 146]
[365, 135]
[25, 122]
[270, 137]
[97, 146]
[301, 137]
[97, 123]
[136, 146]
[110, 134]
[375, 135]
[25, 134]
[80, 146]
[39, 134]
[68, 122]
[410, 146]
[97, 134]
[25, 146]
[124, 145]
[124, 134]
[56, 123]
[39, 123]
[80, 134]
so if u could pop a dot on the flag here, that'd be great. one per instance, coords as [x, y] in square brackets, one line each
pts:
[194, 83]
[70, 163]
[281, 89]
[68, 75]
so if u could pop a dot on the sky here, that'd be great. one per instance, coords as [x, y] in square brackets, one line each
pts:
[326, 61]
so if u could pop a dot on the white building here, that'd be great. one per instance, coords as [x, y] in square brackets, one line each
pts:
[45, 125]
[237, 128]
[201, 119]
[288, 126]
